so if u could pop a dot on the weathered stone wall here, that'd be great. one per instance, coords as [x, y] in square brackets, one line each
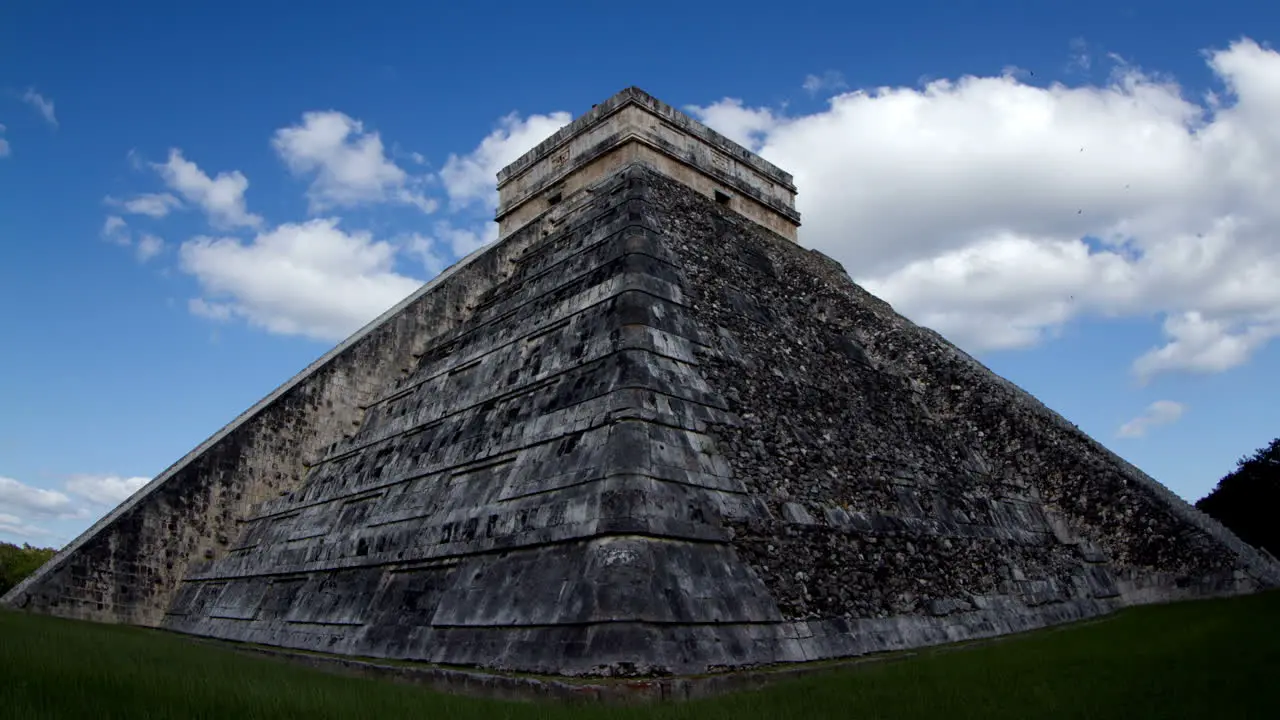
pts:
[643, 436]
[902, 477]
[616, 153]
[705, 137]
[127, 567]
[641, 128]
[537, 495]
[666, 443]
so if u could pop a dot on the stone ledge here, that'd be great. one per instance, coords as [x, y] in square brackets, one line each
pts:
[636, 96]
[621, 691]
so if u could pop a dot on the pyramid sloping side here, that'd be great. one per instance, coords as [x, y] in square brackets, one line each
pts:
[665, 440]
[901, 477]
[670, 441]
[128, 565]
[647, 436]
[538, 494]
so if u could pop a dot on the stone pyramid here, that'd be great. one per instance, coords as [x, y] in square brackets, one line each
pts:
[645, 433]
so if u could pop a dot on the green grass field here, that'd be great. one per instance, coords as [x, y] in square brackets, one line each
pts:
[1210, 659]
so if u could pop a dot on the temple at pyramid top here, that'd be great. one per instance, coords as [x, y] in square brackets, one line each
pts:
[631, 127]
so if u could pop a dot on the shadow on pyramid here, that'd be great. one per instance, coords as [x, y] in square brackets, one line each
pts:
[645, 433]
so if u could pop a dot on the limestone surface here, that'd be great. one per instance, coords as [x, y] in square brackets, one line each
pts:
[642, 435]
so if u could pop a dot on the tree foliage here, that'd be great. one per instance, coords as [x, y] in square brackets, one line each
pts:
[1248, 500]
[18, 562]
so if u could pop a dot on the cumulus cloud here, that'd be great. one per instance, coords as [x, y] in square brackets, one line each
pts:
[21, 498]
[1197, 344]
[43, 105]
[116, 230]
[311, 279]
[1080, 58]
[15, 526]
[156, 205]
[1160, 412]
[218, 312]
[826, 82]
[23, 508]
[749, 127]
[349, 166]
[472, 179]
[447, 243]
[109, 490]
[317, 280]
[996, 211]
[148, 247]
[221, 197]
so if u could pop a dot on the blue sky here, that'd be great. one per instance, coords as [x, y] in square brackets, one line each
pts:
[280, 175]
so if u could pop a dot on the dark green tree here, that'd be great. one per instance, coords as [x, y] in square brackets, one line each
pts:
[1247, 500]
[18, 562]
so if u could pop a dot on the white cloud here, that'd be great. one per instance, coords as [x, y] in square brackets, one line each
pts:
[218, 312]
[113, 224]
[116, 230]
[317, 280]
[460, 242]
[43, 105]
[155, 205]
[21, 499]
[310, 279]
[221, 197]
[148, 247]
[13, 525]
[997, 211]
[4, 144]
[828, 81]
[23, 506]
[472, 178]
[967, 291]
[110, 490]
[448, 243]
[1197, 344]
[1160, 412]
[427, 251]
[1079, 57]
[349, 165]
[746, 126]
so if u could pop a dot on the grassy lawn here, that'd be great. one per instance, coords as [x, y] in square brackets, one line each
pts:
[1209, 659]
